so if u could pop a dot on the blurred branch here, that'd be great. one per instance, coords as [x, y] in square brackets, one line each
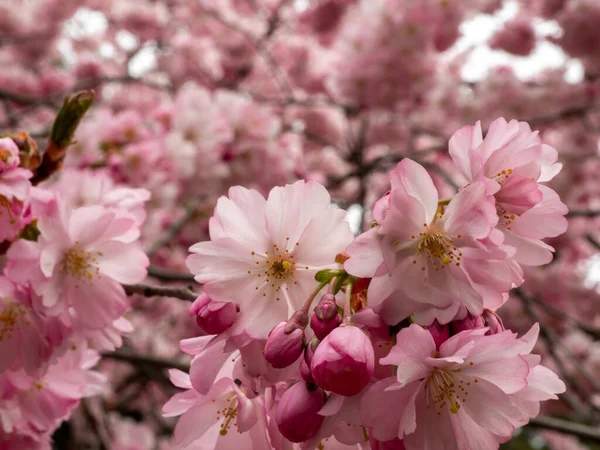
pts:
[149, 360]
[584, 213]
[552, 342]
[96, 425]
[160, 291]
[589, 329]
[169, 275]
[565, 426]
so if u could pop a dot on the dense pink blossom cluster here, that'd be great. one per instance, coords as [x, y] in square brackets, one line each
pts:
[436, 270]
[273, 230]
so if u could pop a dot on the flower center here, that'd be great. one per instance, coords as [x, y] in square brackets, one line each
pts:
[80, 264]
[445, 387]
[274, 267]
[502, 176]
[228, 414]
[11, 315]
[4, 155]
[442, 390]
[6, 205]
[438, 248]
[505, 219]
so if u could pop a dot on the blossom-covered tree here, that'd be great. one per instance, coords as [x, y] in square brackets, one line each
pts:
[298, 225]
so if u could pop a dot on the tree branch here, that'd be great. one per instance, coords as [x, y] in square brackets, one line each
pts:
[148, 360]
[169, 275]
[565, 426]
[160, 291]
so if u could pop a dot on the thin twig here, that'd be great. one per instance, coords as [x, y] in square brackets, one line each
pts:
[592, 331]
[149, 360]
[160, 291]
[584, 213]
[169, 275]
[569, 396]
[565, 426]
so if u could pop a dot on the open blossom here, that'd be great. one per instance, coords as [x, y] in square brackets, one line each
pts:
[14, 189]
[424, 258]
[228, 416]
[457, 397]
[23, 343]
[40, 404]
[263, 254]
[80, 259]
[513, 161]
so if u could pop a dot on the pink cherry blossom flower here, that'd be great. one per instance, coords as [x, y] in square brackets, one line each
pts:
[460, 397]
[263, 254]
[86, 187]
[43, 403]
[228, 416]
[14, 190]
[426, 259]
[513, 161]
[23, 343]
[84, 256]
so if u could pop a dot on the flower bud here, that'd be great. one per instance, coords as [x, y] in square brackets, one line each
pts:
[493, 321]
[213, 317]
[440, 333]
[325, 317]
[305, 372]
[282, 348]
[344, 361]
[468, 323]
[297, 412]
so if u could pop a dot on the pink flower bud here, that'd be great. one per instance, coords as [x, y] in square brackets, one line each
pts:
[493, 321]
[213, 317]
[394, 444]
[325, 317]
[344, 361]
[440, 333]
[468, 323]
[282, 348]
[297, 412]
[305, 371]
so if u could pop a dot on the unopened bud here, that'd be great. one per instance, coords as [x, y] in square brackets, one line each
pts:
[213, 317]
[325, 317]
[468, 323]
[282, 348]
[493, 321]
[344, 361]
[297, 416]
[305, 371]
[440, 333]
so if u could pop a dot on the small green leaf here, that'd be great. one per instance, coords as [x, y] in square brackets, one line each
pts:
[30, 232]
[73, 109]
[339, 281]
[325, 275]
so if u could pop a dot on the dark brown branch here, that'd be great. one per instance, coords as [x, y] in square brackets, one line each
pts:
[160, 291]
[147, 360]
[565, 426]
[573, 387]
[584, 213]
[550, 309]
[169, 275]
